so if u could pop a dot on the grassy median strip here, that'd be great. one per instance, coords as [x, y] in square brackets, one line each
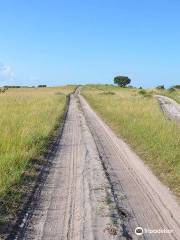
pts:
[28, 117]
[138, 119]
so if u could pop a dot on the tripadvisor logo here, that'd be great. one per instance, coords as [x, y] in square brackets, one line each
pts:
[139, 231]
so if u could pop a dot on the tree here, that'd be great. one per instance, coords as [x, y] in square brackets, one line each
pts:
[42, 86]
[160, 87]
[122, 81]
[176, 86]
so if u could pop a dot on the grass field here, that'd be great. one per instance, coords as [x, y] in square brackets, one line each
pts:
[174, 94]
[139, 120]
[28, 118]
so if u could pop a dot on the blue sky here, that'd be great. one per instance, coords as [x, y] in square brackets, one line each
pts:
[59, 42]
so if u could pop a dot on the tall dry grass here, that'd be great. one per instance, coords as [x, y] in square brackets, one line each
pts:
[27, 118]
[174, 94]
[139, 120]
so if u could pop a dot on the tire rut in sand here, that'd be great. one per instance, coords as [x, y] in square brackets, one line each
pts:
[138, 194]
[97, 188]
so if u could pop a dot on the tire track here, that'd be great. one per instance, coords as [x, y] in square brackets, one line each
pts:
[169, 107]
[76, 201]
[137, 191]
[97, 188]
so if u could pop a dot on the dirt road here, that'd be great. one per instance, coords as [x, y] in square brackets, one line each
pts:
[98, 188]
[169, 107]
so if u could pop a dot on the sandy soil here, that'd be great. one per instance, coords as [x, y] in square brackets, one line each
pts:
[98, 188]
[170, 107]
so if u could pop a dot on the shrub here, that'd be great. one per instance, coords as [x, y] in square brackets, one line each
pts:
[161, 87]
[171, 89]
[145, 93]
[11, 86]
[176, 86]
[41, 86]
[142, 92]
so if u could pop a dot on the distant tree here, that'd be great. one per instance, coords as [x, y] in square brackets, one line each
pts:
[176, 86]
[12, 86]
[161, 87]
[122, 81]
[41, 86]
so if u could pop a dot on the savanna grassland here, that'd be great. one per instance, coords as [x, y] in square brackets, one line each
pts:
[172, 93]
[137, 118]
[28, 117]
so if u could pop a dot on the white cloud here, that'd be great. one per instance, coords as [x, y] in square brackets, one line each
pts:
[6, 72]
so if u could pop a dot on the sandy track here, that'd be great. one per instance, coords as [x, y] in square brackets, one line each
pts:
[170, 107]
[76, 201]
[98, 188]
[140, 197]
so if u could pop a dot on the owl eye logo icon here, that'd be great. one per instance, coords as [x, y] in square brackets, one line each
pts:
[139, 231]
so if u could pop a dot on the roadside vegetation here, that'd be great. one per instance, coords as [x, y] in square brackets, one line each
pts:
[172, 92]
[29, 117]
[135, 115]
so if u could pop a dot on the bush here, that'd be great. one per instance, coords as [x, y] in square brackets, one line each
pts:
[11, 86]
[171, 89]
[161, 87]
[176, 86]
[41, 86]
[144, 93]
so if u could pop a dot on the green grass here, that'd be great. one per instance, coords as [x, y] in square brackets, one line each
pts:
[140, 122]
[171, 94]
[28, 118]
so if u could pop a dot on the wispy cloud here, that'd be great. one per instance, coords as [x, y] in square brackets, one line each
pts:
[6, 73]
